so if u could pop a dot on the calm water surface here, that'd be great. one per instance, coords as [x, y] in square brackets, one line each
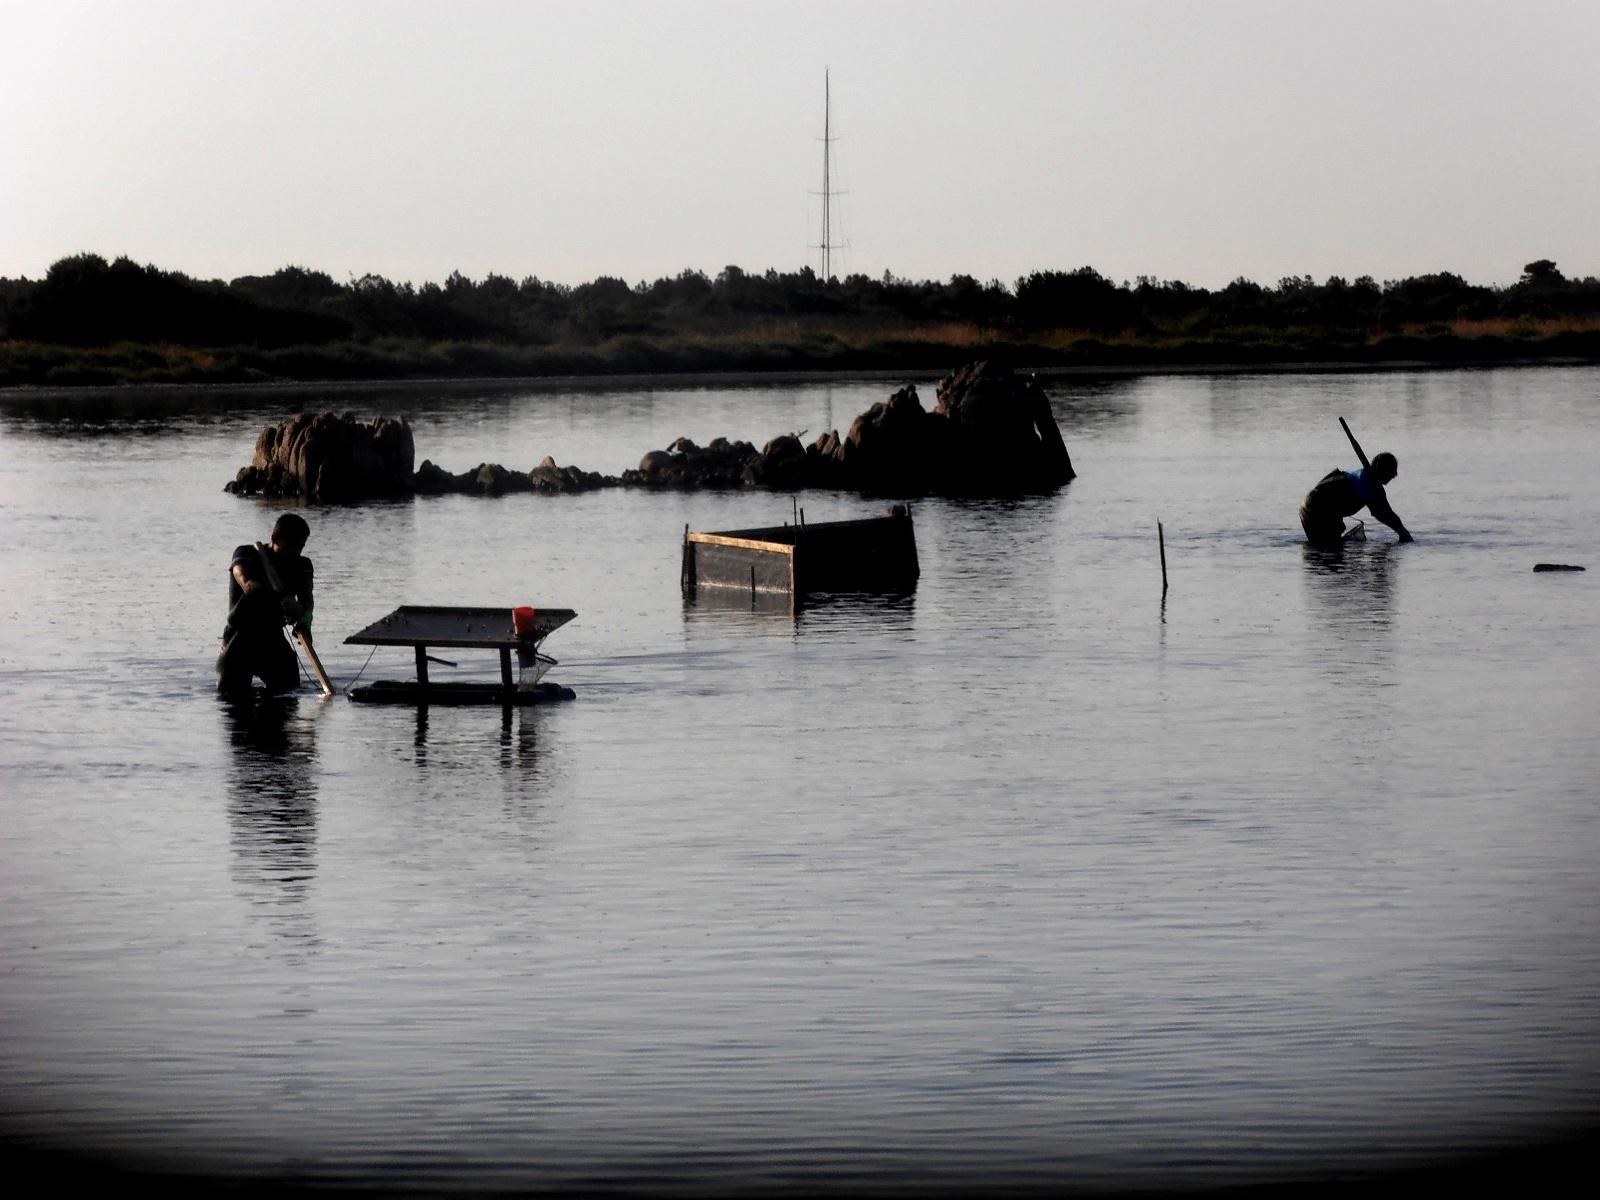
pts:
[1031, 877]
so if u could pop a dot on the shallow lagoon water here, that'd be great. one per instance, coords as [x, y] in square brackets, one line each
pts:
[1031, 877]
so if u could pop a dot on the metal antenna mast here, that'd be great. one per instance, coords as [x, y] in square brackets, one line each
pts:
[828, 245]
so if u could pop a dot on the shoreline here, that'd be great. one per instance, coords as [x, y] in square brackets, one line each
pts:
[754, 378]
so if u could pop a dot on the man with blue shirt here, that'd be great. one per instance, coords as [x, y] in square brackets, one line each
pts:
[1340, 494]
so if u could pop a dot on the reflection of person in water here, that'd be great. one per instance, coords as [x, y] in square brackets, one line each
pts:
[272, 811]
[1350, 606]
[253, 642]
[1340, 494]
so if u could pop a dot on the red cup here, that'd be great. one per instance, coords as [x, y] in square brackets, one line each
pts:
[522, 620]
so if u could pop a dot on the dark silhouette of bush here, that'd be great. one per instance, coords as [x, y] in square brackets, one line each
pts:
[1081, 299]
[85, 301]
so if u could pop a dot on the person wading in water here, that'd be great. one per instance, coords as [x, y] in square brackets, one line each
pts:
[1340, 494]
[252, 642]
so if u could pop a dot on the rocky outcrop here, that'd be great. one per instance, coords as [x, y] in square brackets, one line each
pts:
[899, 448]
[329, 458]
[991, 432]
[1007, 432]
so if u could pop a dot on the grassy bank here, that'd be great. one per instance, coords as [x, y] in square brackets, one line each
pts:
[792, 347]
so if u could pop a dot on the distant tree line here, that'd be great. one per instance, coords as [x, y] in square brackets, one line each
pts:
[93, 321]
[86, 301]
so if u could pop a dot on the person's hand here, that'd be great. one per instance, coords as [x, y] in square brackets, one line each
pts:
[294, 612]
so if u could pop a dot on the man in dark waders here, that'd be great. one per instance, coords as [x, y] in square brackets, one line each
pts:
[1340, 494]
[253, 643]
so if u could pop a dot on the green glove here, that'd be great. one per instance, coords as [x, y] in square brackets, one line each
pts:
[294, 613]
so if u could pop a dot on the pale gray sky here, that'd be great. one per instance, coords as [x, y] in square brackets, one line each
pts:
[1197, 140]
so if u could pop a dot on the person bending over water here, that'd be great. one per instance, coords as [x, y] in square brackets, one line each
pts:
[1340, 494]
[253, 642]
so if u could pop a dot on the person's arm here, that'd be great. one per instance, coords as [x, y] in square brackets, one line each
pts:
[1379, 508]
[243, 579]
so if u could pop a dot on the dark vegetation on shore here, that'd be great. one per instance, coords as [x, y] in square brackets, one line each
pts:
[89, 321]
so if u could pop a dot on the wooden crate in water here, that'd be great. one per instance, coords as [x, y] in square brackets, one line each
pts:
[875, 554]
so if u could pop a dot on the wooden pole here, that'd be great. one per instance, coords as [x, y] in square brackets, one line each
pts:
[1161, 538]
[299, 634]
[1354, 444]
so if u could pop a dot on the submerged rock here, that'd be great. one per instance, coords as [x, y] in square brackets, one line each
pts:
[684, 465]
[549, 479]
[492, 479]
[433, 480]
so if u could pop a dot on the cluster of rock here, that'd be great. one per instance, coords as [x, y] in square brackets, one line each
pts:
[491, 479]
[330, 458]
[684, 465]
[990, 433]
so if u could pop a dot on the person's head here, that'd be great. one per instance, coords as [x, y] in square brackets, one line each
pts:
[1384, 466]
[290, 533]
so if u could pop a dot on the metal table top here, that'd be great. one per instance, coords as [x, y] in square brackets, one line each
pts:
[432, 625]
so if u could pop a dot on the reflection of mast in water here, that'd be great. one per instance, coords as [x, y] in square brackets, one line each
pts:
[272, 814]
[827, 245]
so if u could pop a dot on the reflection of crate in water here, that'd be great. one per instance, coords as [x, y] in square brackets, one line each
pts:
[876, 554]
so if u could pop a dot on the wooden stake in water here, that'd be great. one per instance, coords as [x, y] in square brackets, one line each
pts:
[1161, 538]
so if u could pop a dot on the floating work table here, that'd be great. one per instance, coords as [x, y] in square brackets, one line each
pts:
[507, 630]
